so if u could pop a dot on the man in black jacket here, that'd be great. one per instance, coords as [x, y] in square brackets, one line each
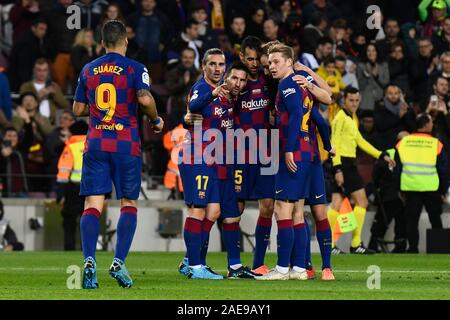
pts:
[28, 48]
[392, 115]
[389, 205]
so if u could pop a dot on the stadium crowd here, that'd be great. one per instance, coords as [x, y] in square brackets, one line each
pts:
[401, 70]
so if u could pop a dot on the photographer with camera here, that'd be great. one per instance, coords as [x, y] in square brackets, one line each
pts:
[14, 156]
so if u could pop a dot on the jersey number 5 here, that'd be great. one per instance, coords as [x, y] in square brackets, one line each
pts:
[106, 100]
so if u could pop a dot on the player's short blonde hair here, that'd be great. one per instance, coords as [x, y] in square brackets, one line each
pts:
[286, 51]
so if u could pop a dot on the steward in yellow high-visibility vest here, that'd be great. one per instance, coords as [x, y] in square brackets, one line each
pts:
[69, 177]
[423, 177]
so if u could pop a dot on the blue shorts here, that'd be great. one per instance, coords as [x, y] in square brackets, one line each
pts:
[293, 186]
[201, 187]
[250, 184]
[317, 194]
[102, 169]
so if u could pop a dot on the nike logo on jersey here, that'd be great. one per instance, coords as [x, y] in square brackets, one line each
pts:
[318, 197]
[288, 92]
[278, 191]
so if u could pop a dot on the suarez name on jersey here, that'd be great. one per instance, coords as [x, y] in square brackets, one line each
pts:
[109, 85]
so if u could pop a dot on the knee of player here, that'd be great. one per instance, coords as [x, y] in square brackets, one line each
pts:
[266, 208]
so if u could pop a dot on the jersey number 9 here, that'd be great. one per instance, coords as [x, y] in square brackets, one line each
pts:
[106, 100]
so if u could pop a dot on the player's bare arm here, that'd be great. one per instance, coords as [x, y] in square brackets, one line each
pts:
[320, 82]
[80, 109]
[148, 106]
[319, 93]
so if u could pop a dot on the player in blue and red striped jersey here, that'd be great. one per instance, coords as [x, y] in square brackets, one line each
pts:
[109, 91]
[292, 180]
[317, 196]
[253, 113]
[208, 187]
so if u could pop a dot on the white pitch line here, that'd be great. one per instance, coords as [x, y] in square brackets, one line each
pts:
[218, 270]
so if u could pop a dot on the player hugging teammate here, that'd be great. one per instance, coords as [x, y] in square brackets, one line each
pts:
[299, 162]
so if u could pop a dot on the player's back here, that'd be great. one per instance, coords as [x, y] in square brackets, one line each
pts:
[109, 86]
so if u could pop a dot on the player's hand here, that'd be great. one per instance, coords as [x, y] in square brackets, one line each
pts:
[332, 152]
[290, 163]
[301, 67]
[221, 91]
[191, 118]
[302, 82]
[159, 127]
[339, 177]
[391, 162]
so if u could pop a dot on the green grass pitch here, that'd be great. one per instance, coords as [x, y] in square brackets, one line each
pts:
[43, 275]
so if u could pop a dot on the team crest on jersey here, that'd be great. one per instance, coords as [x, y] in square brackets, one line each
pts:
[146, 78]
[201, 194]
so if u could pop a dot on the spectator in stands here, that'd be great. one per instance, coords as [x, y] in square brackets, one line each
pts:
[134, 50]
[35, 164]
[324, 50]
[271, 28]
[313, 32]
[443, 72]
[423, 175]
[329, 10]
[14, 156]
[206, 35]
[61, 39]
[112, 12]
[348, 77]
[187, 39]
[328, 72]
[441, 38]
[432, 21]
[154, 42]
[373, 77]
[337, 34]
[399, 68]
[410, 39]
[177, 12]
[358, 45]
[256, 22]
[48, 92]
[55, 142]
[421, 68]
[392, 31]
[179, 82]
[237, 33]
[32, 45]
[91, 11]
[22, 15]
[438, 105]
[84, 50]
[393, 115]
[8, 238]
[29, 103]
[5, 102]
